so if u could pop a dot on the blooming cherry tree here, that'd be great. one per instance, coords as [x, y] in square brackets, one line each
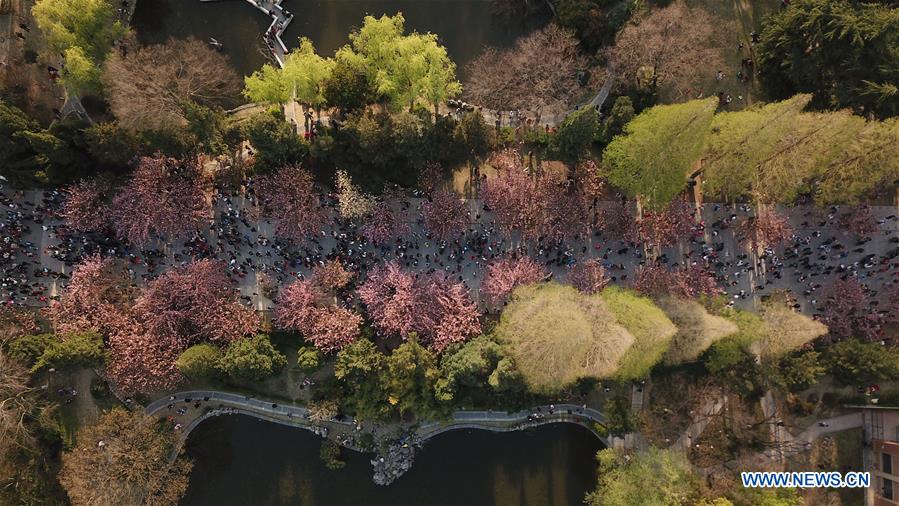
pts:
[505, 275]
[445, 215]
[289, 198]
[165, 198]
[589, 276]
[438, 310]
[85, 208]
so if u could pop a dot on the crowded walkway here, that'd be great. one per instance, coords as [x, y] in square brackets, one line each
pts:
[38, 252]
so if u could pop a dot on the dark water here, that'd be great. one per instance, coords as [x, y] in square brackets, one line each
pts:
[244, 461]
[463, 26]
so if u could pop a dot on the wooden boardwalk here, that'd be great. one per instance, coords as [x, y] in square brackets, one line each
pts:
[272, 36]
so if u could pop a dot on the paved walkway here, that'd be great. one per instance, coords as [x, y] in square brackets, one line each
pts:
[36, 254]
[198, 403]
[702, 420]
[186, 410]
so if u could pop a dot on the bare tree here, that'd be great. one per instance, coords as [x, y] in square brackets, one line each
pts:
[540, 71]
[671, 49]
[149, 88]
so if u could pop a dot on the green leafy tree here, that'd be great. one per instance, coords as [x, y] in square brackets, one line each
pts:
[111, 145]
[267, 85]
[253, 358]
[28, 349]
[80, 72]
[585, 17]
[844, 52]
[574, 137]
[359, 368]
[72, 351]
[621, 114]
[18, 161]
[742, 141]
[477, 364]
[330, 455]
[405, 68]
[83, 30]
[653, 158]
[305, 74]
[799, 371]
[409, 381]
[658, 477]
[349, 87]
[856, 363]
[777, 153]
[619, 419]
[200, 361]
[275, 141]
[309, 358]
[476, 136]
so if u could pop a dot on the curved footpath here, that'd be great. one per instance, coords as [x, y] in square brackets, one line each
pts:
[394, 457]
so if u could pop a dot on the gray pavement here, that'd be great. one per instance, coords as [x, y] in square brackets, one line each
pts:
[37, 254]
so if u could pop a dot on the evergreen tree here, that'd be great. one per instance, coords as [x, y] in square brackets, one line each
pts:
[844, 52]
[653, 158]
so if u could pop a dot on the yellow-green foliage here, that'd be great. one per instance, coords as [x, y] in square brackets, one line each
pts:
[557, 335]
[786, 330]
[696, 329]
[651, 329]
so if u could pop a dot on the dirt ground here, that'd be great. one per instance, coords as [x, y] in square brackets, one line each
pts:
[23, 76]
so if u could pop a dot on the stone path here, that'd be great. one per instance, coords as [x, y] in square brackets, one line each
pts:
[186, 410]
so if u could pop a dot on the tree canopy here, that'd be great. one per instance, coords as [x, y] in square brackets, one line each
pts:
[844, 52]
[658, 149]
[83, 31]
[381, 62]
[557, 335]
[124, 459]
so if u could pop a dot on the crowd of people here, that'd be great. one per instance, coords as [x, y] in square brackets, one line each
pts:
[39, 252]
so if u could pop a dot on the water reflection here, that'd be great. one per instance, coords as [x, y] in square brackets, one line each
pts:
[240, 460]
[464, 26]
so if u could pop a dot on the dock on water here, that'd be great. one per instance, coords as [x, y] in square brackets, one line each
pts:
[280, 20]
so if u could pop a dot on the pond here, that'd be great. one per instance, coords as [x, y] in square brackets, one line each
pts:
[463, 26]
[240, 460]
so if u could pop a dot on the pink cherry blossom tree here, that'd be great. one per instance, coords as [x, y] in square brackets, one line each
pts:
[545, 204]
[447, 314]
[332, 275]
[859, 221]
[140, 361]
[194, 303]
[655, 279]
[445, 215]
[848, 313]
[589, 276]
[85, 208]
[384, 224]
[310, 307]
[307, 307]
[504, 275]
[289, 198]
[616, 220]
[97, 290]
[660, 229]
[438, 310]
[768, 229]
[164, 198]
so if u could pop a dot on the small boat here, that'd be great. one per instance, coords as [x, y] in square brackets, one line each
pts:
[216, 44]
